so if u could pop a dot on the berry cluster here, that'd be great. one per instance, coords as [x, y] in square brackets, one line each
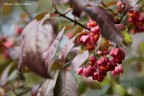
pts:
[90, 39]
[136, 19]
[98, 68]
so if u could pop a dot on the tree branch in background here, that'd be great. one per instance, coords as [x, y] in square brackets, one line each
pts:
[25, 10]
[74, 21]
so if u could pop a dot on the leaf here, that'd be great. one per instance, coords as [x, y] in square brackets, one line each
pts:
[66, 85]
[128, 4]
[68, 46]
[80, 59]
[141, 48]
[49, 54]
[106, 23]
[4, 75]
[35, 89]
[127, 38]
[40, 16]
[48, 86]
[37, 37]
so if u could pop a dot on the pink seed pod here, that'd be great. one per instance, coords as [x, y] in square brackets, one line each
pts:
[117, 70]
[99, 52]
[80, 71]
[84, 38]
[90, 70]
[95, 29]
[114, 73]
[93, 59]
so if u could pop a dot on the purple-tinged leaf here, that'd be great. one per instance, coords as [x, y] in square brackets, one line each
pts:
[128, 4]
[80, 59]
[35, 89]
[4, 75]
[48, 86]
[66, 85]
[50, 53]
[68, 46]
[37, 37]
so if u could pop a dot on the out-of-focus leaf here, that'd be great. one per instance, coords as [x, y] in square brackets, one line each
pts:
[141, 48]
[80, 59]
[60, 1]
[55, 65]
[40, 16]
[106, 23]
[77, 10]
[68, 46]
[81, 85]
[104, 45]
[37, 37]
[111, 3]
[47, 87]
[100, 92]
[49, 54]
[136, 82]
[7, 7]
[15, 75]
[4, 75]
[66, 85]
[128, 4]
[35, 89]
[127, 38]
[32, 79]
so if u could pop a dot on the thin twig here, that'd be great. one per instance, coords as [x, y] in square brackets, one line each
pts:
[25, 10]
[75, 22]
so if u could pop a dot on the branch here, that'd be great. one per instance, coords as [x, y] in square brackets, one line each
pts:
[75, 22]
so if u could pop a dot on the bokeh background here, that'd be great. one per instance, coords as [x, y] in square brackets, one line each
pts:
[13, 19]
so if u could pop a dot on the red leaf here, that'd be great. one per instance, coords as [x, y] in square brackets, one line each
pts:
[80, 59]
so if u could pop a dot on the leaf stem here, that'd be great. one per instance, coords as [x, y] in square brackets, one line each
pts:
[75, 22]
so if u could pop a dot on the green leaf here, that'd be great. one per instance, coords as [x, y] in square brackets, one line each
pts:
[127, 38]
